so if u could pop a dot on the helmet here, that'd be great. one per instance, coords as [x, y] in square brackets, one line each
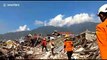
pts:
[29, 35]
[66, 36]
[103, 8]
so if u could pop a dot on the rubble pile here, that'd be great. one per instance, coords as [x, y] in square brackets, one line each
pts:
[26, 52]
[85, 47]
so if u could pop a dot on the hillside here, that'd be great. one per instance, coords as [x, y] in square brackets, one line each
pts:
[76, 28]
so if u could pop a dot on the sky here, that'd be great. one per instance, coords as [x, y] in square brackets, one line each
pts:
[22, 16]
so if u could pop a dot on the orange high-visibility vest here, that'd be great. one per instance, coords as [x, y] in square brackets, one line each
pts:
[101, 33]
[68, 45]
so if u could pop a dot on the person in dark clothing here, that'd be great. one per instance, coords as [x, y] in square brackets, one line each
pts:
[52, 45]
[69, 54]
[39, 38]
[28, 40]
[33, 42]
[35, 39]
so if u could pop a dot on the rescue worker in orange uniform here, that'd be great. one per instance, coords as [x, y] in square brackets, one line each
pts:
[68, 46]
[101, 31]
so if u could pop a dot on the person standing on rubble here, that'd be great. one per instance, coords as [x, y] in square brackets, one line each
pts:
[44, 44]
[52, 45]
[101, 31]
[68, 46]
[34, 41]
[39, 38]
[28, 40]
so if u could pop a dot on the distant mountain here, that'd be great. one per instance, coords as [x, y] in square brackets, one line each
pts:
[14, 35]
[76, 28]
[48, 29]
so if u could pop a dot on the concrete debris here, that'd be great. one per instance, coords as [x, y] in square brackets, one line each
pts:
[85, 47]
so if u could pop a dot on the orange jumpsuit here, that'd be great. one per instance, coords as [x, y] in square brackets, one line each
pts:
[69, 46]
[101, 32]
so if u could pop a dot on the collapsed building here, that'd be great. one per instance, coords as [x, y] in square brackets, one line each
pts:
[85, 47]
[87, 44]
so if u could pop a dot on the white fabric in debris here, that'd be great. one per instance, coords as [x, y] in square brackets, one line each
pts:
[30, 52]
[79, 49]
[52, 38]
